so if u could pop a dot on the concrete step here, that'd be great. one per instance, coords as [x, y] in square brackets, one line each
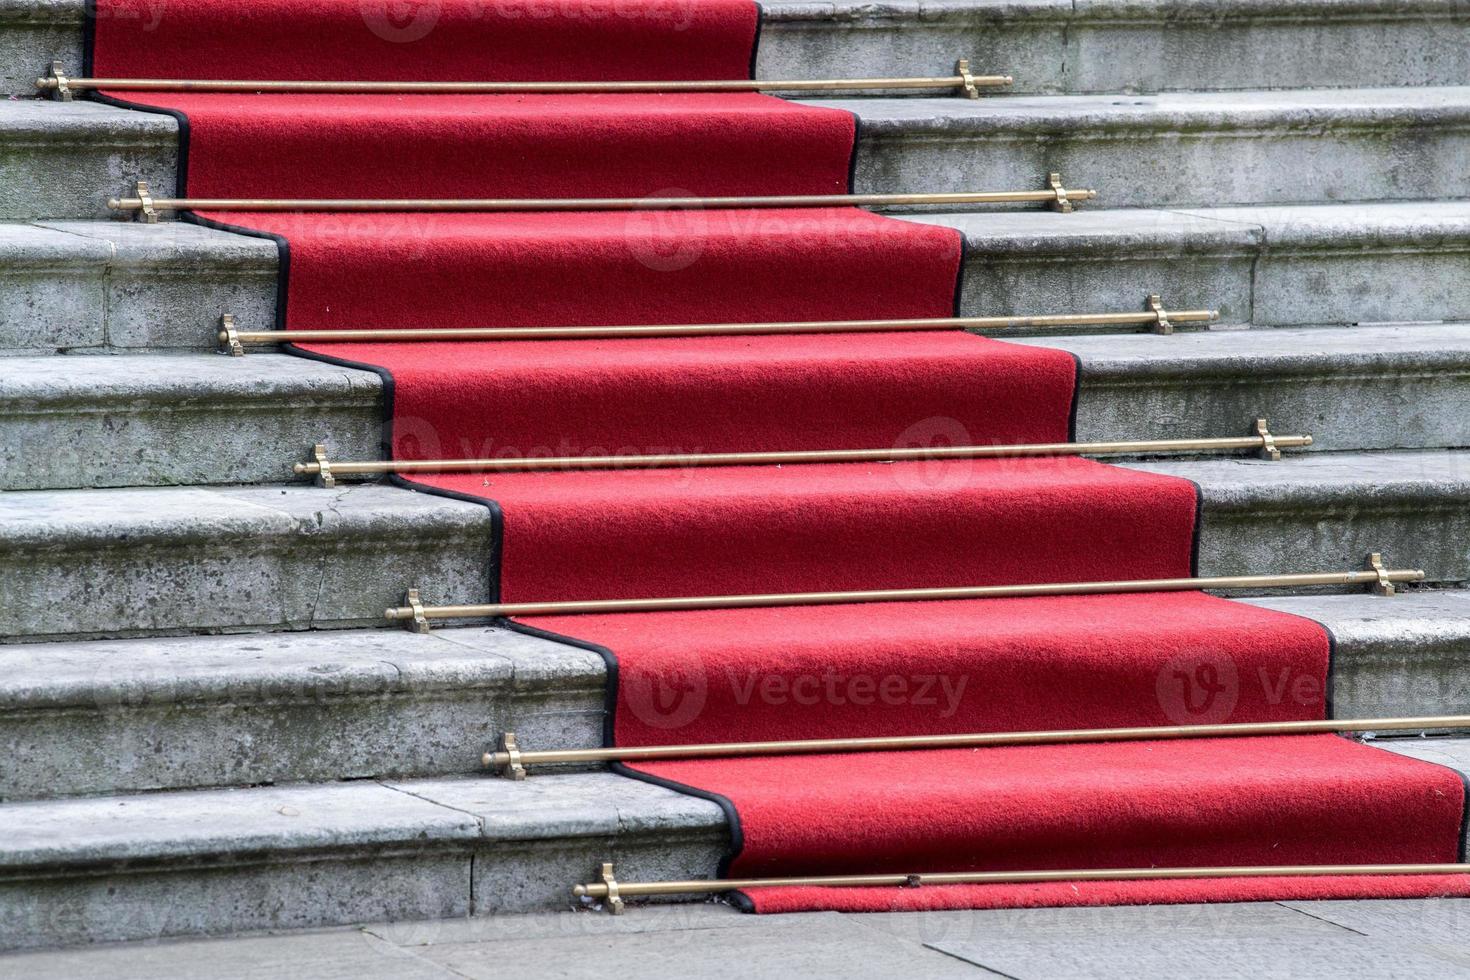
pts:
[1048, 45]
[109, 286]
[1141, 151]
[218, 861]
[185, 559]
[1124, 45]
[121, 716]
[181, 419]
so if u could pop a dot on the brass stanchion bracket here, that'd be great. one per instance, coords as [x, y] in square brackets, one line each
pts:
[147, 212]
[1161, 324]
[1384, 586]
[962, 69]
[513, 769]
[1062, 202]
[1268, 450]
[614, 900]
[229, 336]
[61, 88]
[420, 622]
[324, 477]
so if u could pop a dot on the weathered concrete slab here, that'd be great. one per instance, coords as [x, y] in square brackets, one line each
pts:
[77, 285]
[1270, 266]
[196, 863]
[1386, 387]
[123, 562]
[1173, 150]
[131, 715]
[178, 419]
[1327, 511]
[34, 33]
[1123, 45]
[65, 159]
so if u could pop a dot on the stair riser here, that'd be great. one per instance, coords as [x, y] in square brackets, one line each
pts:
[168, 285]
[1115, 48]
[148, 730]
[194, 578]
[303, 890]
[130, 440]
[32, 35]
[1285, 160]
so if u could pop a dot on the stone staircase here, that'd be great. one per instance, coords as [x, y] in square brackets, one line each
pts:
[206, 728]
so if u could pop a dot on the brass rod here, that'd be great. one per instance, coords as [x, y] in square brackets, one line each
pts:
[708, 886]
[523, 88]
[579, 607]
[894, 454]
[966, 740]
[709, 329]
[590, 203]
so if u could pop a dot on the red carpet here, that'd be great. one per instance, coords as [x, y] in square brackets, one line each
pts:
[897, 668]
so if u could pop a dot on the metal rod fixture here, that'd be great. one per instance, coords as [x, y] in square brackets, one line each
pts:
[614, 892]
[149, 205]
[1261, 442]
[963, 81]
[1382, 580]
[232, 340]
[510, 759]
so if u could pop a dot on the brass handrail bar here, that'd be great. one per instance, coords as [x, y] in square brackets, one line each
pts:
[328, 471]
[149, 205]
[511, 759]
[232, 340]
[963, 81]
[614, 892]
[417, 615]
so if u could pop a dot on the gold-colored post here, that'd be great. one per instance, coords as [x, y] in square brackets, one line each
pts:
[1053, 196]
[513, 763]
[963, 82]
[1256, 443]
[634, 889]
[1374, 577]
[1144, 318]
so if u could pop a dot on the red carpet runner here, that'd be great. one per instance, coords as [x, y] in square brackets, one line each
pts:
[776, 673]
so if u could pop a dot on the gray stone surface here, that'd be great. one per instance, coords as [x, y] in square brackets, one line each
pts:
[201, 862]
[1327, 511]
[1173, 150]
[64, 159]
[178, 419]
[1123, 45]
[1382, 387]
[130, 561]
[1270, 266]
[97, 284]
[34, 33]
[1393, 657]
[131, 715]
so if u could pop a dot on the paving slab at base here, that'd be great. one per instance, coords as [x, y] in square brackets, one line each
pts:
[1210, 149]
[127, 715]
[217, 861]
[118, 716]
[1123, 45]
[129, 561]
[1269, 266]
